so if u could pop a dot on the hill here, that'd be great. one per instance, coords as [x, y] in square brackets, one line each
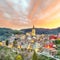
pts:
[43, 31]
[7, 32]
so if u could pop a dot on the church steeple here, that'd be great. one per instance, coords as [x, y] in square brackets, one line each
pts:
[33, 27]
[33, 31]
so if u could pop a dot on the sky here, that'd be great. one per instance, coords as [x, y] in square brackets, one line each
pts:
[19, 14]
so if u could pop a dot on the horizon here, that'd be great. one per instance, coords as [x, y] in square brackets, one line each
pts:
[30, 28]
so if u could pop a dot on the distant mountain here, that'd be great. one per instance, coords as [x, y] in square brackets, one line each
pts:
[43, 30]
[5, 33]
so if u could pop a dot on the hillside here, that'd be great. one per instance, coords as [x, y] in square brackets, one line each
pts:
[43, 31]
[6, 32]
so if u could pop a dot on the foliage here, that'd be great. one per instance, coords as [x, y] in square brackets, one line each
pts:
[17, 32]
[34, 56]
[7, 54]
[15, 43]
[42, 57]
[19, 57]
[10, 54]
[57, 42]
[58, 53]
[7, 42]
[5, 33]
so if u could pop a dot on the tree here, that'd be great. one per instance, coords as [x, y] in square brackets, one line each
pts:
[15, 43]
[34, 56]
[8, 58]
[42, 57]
[19, 57]
[17, 32]
[7, 42]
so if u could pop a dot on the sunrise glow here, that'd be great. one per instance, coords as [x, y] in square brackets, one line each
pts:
[18, 14]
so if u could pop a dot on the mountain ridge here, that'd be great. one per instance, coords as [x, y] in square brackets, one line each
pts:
[5, 33]
[43, 30]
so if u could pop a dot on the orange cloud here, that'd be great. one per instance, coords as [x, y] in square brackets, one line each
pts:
[40, 15]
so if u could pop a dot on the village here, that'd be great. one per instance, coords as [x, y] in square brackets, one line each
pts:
[30, 41]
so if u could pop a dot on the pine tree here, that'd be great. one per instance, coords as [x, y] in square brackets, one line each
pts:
[7, 42]
[34, 56]
[19, 57]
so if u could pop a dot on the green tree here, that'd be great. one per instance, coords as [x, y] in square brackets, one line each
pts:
[8, 58]
[17, 32]
[7, 42]
[57, 42]
[34, 56]
[15, 43]
[42, 57]
[19, 57]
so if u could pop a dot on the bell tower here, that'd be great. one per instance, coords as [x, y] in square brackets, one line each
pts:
[33, 31]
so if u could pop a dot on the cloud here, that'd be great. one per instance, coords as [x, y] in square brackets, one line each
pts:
[7, 16]
[24, 13]
[47, 13]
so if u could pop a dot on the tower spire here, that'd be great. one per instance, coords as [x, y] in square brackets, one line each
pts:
[33, 27]
[33, 31]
